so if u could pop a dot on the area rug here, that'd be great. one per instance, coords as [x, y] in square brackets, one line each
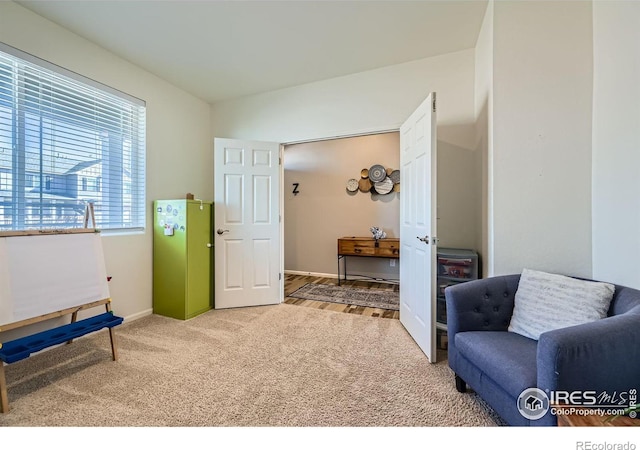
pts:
[372, 298]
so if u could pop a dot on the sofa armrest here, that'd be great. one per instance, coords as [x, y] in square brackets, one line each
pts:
[601, 356]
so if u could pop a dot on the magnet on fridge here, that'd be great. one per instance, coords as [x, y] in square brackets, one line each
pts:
[168, 230]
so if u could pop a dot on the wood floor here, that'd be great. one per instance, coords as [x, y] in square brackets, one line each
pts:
[294, 282]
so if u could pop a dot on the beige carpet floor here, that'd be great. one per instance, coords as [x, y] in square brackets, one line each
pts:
[283, 365]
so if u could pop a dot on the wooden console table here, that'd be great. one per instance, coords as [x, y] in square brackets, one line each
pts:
[365, 246]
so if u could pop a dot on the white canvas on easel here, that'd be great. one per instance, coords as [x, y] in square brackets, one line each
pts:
[6, 305]
[40, 274]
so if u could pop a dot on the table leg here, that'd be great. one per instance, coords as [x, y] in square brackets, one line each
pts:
[344, 264]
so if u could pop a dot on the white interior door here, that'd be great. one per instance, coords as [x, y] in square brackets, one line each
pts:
[247, 236]
[418, 226]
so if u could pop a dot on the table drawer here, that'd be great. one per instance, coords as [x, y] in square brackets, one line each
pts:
[349, 247]
[388, 252]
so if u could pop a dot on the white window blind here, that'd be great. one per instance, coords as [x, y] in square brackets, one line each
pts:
[66, 141]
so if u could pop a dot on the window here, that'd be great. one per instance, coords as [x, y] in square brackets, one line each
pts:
[5, 180]
[66, 141]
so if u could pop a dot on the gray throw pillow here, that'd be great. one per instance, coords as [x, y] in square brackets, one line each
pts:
[546, 301]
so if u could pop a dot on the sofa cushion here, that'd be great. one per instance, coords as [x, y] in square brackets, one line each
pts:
[509, 359]
[545, 302]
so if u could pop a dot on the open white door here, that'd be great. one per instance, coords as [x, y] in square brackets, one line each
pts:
[247, 223]
[418, 226]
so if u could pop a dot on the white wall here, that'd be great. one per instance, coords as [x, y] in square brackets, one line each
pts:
[616, 142]
[541, 181]
[179, 144]
[375, 100]
[459, 197]
[484, 135]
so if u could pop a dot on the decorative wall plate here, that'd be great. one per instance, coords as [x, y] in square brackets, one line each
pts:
[352, 185]
[364, 184]
[384, 187]
[395, 176]
[364, 173]
[377, 173]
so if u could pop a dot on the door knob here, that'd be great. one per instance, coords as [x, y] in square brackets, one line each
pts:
[221, 231]
[424, 239]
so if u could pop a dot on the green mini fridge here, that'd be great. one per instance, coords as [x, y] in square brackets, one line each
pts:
[182, 258]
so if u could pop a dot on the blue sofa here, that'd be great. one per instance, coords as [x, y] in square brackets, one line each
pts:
[600, 356]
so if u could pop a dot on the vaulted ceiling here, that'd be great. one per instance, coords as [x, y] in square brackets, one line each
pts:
[218, 50]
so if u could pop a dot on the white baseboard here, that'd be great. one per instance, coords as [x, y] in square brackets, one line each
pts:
[311, 274]
[140, 315]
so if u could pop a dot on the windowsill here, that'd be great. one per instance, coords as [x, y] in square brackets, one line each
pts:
[110, 233]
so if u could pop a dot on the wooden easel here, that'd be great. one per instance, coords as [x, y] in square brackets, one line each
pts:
[22, 347]
[89, 215]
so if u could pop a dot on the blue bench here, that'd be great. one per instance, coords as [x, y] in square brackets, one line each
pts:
[22, 348]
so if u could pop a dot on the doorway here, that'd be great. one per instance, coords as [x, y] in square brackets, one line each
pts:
[318, 208]
[417, 304]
